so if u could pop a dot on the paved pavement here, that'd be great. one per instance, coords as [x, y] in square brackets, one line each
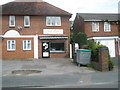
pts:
[55, 73]
[49, 66]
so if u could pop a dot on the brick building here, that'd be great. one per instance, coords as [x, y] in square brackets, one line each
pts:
[34, 30]
[102, 28]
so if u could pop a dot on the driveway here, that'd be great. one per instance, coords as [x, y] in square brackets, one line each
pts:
[49, 66]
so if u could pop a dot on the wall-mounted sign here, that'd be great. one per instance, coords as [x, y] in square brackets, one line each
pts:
[45, 54]
[52, 31]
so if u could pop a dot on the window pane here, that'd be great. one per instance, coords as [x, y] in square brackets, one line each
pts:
[28, 44]
[27, 20]
[48, 20]
[12, 45]
[53, 21]
[106, 26]
[12, 20]
[8, 44]
[58, 21]
[59, 47]
[95, 26]
[25, 44]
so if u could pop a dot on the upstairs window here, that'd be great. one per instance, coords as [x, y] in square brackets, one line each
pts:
[107, 27]
[12, 21]
[11, 45]
[26, 21]
[95, 26]
[53, 21]
[26, 44]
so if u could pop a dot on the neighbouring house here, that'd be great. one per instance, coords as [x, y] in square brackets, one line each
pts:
[34, 30]
[102, 28]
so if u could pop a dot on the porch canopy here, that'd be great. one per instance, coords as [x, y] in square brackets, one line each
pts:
[52, 37]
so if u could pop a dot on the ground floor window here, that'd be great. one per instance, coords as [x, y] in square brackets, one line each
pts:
[26, 44]
[10, 44]
[57, 47]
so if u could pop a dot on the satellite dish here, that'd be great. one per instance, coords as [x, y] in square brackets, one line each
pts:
[20, 27]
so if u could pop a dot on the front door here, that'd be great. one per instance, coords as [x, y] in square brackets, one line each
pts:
[45, 50]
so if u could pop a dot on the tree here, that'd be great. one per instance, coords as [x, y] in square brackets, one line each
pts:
[71, 33]
[81, 39]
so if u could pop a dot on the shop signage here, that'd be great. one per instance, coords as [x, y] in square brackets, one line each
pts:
[52, 31]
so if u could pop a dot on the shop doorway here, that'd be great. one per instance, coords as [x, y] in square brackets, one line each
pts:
[45, 49]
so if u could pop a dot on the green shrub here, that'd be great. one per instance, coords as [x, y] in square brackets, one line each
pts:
[94, 47]
[90, 66]
[81, 39]
[110, 63]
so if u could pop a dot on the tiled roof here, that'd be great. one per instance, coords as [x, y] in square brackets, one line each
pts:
[32, 8]
[99, 16]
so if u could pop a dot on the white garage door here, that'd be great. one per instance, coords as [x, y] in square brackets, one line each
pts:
[110, 44]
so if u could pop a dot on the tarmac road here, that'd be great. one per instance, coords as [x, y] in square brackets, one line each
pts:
[59, 80]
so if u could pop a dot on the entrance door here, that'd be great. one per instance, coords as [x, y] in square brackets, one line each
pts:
[45, 50]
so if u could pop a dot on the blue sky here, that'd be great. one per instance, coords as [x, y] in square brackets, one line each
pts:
[83, 6]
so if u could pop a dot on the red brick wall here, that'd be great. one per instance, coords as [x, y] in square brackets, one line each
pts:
[19, 53]
[38, 23]
[88, 30]
[86, 27]
[102, 64]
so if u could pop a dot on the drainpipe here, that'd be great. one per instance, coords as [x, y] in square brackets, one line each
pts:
[36, 46]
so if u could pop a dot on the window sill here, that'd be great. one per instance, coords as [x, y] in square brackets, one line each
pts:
[10, 50]
[95, 31]
[52, 26]
[57, 51]
[12, 26]
[107, 31]
[26, 26]
[26, 49]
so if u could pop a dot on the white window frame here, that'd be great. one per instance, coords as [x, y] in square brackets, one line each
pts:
[26, 45]
[10, 18]
[95, 26]
[25, 21]
[107, 23]
[53, 19]
[11, 42]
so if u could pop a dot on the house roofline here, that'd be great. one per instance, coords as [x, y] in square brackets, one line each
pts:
[38, 14]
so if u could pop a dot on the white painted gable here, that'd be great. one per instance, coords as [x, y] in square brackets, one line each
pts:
[12, 33]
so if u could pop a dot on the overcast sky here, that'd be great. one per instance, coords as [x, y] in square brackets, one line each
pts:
[83, 6]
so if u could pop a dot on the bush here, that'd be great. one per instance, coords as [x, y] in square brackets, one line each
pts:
[110, 63]
[81, 39]
[94, 47]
